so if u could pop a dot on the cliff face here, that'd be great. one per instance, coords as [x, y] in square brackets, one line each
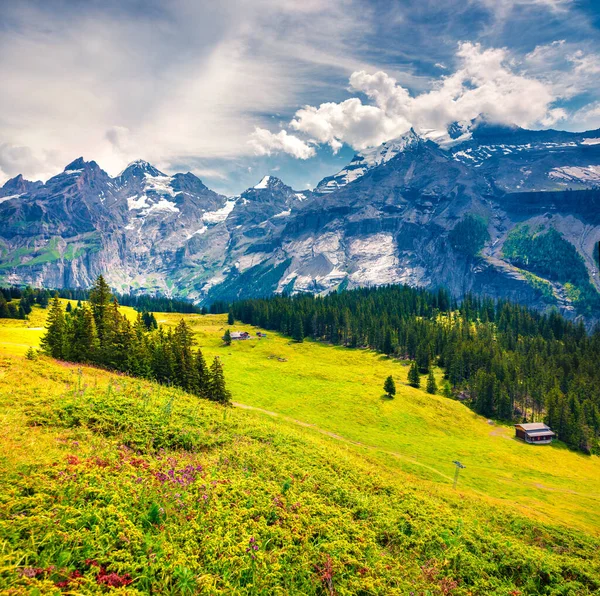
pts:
[505, 212]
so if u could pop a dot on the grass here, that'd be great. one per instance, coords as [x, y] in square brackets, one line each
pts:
[341, 391]
[356, 500]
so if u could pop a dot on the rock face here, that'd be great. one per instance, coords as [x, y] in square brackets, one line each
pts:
[500, 211]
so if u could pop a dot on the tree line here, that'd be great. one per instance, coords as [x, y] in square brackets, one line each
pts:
[507, 361]
[13, 297]
[96, 332]
[16, 303]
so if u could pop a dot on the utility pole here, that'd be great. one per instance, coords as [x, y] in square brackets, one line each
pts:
[459, 467]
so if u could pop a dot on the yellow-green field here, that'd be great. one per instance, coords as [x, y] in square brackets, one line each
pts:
[339, 391]
[314, 484]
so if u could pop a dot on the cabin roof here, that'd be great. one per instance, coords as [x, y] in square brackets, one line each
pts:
[533, 426]
[540, 433]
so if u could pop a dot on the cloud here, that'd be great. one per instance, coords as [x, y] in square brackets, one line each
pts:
[566, 67]
[265, 142]
[588, 117]
[168, 82]
[485, 83]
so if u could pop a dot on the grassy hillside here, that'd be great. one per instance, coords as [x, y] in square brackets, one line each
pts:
[110, 479]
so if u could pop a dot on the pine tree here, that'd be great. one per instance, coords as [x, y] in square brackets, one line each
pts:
[183, 340]
[100, 299]
[203, 381]
[230, 319]
[447, 390]
[431, 384]
[298, 329]
[388, 344]
[390, 387]
[69, 307]
[53, 343]
[31, 354]
[227, 337]
[82, 340]
[4, 314]
[217, 390]
[414, 379]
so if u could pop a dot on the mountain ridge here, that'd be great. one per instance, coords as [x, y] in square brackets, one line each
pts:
[388, 217]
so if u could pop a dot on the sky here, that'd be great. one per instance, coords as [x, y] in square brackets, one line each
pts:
[237, 89]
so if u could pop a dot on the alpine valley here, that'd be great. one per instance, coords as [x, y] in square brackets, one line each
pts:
[498, 211]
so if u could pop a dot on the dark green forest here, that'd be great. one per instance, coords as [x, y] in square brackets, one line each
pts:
[96, 332]
[547, 253]
[507, 361]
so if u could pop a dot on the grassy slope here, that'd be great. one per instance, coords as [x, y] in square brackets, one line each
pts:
[390, 524]
[340, 390]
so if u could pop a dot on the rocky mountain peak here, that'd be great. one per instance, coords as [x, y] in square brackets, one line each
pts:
[139, 169]
[18, 185]
[81, 164]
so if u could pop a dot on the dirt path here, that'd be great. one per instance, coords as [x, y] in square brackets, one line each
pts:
[409, 458]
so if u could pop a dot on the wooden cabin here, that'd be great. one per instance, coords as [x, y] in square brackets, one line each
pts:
[536, 433]
[240, 335]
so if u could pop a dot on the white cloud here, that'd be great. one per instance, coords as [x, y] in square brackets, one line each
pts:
[588, 117]
[265, 142]
[485, 83]
[565, 66]
[169, 83]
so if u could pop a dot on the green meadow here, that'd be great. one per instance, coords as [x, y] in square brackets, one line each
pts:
[343, 490]
[340, 391]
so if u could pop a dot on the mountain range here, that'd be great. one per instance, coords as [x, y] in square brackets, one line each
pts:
[494, 210]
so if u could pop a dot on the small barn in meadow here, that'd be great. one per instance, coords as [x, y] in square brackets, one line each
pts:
[537, 433]
[240, 335]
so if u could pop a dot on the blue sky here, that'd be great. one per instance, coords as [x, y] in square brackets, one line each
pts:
[236, 89]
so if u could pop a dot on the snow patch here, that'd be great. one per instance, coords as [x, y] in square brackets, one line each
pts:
[283, 213]
[219, 215]
[591, 141]
[198, 232]
[162, 205]
[576, 173]
[136, 202]
[161, 185]
[2, 199]
[264, 183]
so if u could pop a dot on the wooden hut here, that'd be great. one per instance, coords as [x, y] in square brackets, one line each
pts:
[536, 433]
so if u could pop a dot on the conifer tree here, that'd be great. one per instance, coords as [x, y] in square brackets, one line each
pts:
[230, 319]
[388, 345]
[227, 337]
[414, 379]
[183, 341]
[69, 307]
[431, 384]
[298, 329]
[100, 299]
[53, 343]
[203, 381]
[4, 314]
[390, 387]
[217, 389]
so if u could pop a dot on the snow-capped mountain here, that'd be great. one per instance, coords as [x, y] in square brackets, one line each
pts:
[367, 160]
[518, 158]
[493, 210]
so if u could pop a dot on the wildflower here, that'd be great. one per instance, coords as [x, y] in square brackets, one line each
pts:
[252, 547]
